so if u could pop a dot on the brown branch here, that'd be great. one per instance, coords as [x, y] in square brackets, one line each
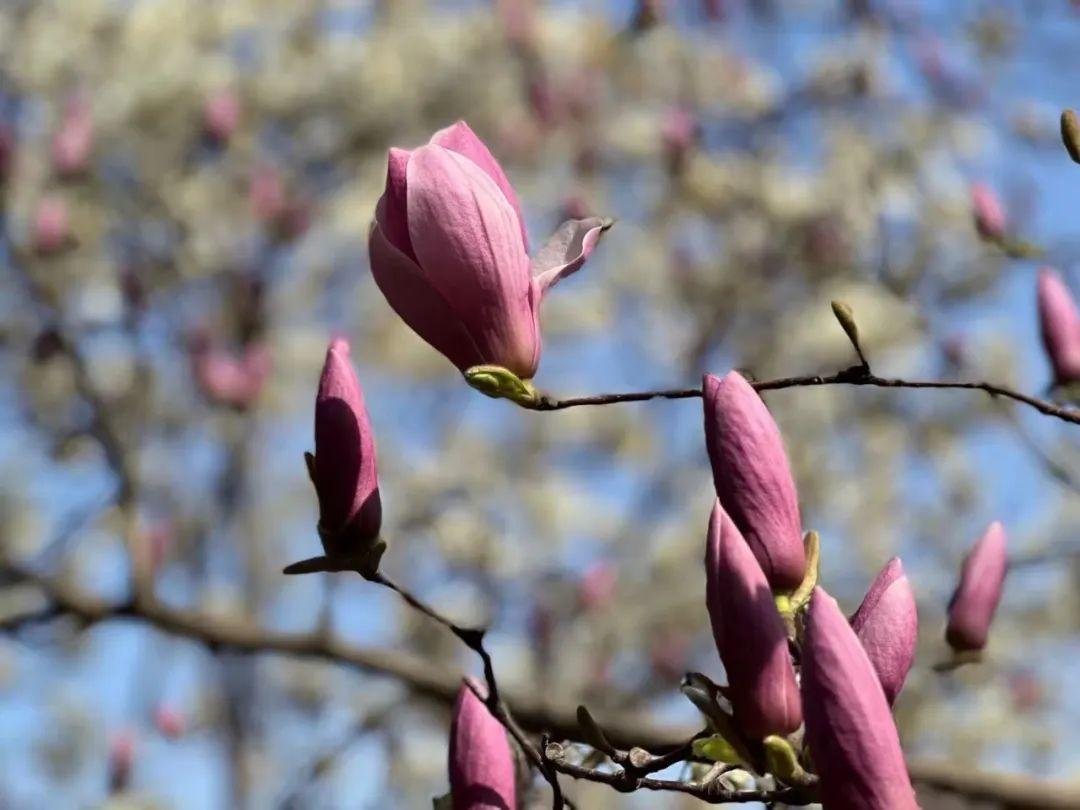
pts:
[431, 680]
[856, 375]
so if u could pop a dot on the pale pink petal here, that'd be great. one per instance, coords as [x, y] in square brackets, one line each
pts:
[566, 251]
[466, 240]
[460, 138]
[887, 624]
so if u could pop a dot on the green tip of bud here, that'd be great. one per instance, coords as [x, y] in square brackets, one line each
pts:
[1070, 134]
[783, 763]
[717, 749]
[501, 383]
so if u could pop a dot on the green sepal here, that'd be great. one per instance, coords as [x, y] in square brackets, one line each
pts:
[501, 383]
[783, 763]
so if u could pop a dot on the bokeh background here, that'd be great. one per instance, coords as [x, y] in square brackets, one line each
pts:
[187, 189]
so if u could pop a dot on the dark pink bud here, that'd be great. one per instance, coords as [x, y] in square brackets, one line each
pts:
[1059, 322]
[449, 252]
[752, 477]
[345, 476]
[481, 764]
[987, 211]
[749, 634]
[850, 730]
[221, 115]
[887, 624]
[714, 9]
[169, 722]
[7, 152]
[973, 604]
[51, 227]
[74, 140]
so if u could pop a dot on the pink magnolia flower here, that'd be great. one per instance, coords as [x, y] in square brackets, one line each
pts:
[1059, 322]
[221, 115]
[74, 140]
[887, 625]
[51, 227]
[989, 215]
[344, 472]
[849, 726]
[975, 600]
[481, 763]
[449, 252]
[752, 477]
[749, 634]
[679, 133]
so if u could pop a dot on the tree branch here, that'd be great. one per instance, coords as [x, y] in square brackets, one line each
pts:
[431, 680]
[856, 375]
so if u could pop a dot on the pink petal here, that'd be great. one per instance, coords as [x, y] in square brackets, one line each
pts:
[392, 213]
[850, 730]
[466, 239]
[460, 138]
[419, 304]
[480, 761]
[752, 477]
[1059, 322]
[566, 251]
[887, 625]
[749, 634]
[975, 601]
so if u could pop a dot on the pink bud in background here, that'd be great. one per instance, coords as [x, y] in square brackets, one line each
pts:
[989, 215]
[679, 133]
[231, 379]
[51, 228]
[481, 764]
[669, 654]
[749, 634]
[714, 9]
[221, 115]
[7, 152]
[849, 727]
[121, 759]
[973, 604]
[752, 477]
[596, 590]
[267, 193]
[169, 722]
[344, 472]
[448, 250]
[1059, 323]
[887, 625]
[74, 140]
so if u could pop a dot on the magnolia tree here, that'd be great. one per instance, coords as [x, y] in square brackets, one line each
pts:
[526, 598]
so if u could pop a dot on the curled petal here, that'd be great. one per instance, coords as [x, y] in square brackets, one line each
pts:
[392, 211]
[566, 250]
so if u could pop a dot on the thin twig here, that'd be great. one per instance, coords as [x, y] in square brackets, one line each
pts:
[856, 375]
[473, 638]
